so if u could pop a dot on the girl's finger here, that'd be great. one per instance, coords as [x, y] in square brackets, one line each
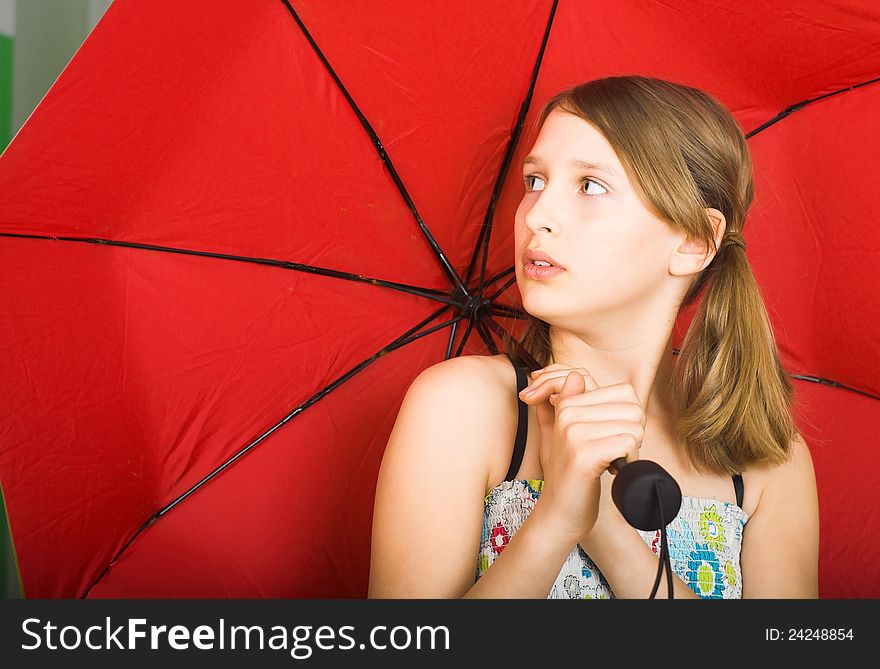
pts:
[540, 374]
[614, 394]
[547, 381]
[549, 368]
[542, 387]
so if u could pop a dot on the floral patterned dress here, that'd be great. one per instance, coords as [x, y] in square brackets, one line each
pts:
[704, 544]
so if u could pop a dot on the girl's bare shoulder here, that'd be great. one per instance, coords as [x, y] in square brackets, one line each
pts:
[490, 378]
[779, 481]
[477, 393]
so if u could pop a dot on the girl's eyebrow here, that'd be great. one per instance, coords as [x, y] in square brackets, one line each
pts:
[581, 164]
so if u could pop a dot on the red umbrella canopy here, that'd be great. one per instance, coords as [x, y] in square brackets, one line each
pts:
[233, 233]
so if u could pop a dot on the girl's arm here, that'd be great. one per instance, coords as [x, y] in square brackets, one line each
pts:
[780, 550]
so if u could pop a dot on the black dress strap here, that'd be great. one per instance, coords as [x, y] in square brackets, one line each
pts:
[522, 426]
[738, 486]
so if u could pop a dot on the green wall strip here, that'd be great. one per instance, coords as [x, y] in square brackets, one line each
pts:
[10, 582]
[6, 44]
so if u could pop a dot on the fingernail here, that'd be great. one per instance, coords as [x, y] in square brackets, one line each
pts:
[528, 391]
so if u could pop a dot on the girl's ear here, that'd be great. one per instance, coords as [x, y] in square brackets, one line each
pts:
[691, 257]
[694, 255]
[719, 225]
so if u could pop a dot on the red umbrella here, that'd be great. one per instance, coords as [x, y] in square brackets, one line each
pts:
[233, 233]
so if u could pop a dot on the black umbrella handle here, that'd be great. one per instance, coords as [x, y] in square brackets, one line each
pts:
[634, 493]
[649, 498]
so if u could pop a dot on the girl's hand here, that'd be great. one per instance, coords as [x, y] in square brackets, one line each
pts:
[583, 428]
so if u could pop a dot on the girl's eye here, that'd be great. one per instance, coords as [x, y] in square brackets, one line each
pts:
[586, 181]
[595, 183]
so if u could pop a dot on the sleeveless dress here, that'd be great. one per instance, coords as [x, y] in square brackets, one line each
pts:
[704, 538]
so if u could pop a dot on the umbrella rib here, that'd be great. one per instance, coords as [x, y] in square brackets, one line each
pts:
[499, 275]
[482, 324]
[481, 328]
[464, 337]
[506, 285]
[407, 337]
[833, 384]
[486, 228]
[803, 103]
[429, 293]
[524, 355]
[511, 312]
[452, 332]
[438, 252]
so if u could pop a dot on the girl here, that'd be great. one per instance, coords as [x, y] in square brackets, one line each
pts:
[636, 190]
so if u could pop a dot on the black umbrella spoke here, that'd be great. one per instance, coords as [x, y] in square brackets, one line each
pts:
[407, 337]
[444, 261]
[428, 293]
[464, 337]
[507, 284]
[509, 312]
[486, 228]
[834, 384]
[803, 103]
[499, 275]
[480, 325]
[452, 332]
[511, 344]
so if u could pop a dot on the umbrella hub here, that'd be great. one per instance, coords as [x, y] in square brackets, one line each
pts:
[475, 306]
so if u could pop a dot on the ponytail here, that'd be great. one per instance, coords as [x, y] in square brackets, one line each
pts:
[733, 395]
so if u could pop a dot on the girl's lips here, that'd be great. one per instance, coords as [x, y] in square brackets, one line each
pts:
[539, 272]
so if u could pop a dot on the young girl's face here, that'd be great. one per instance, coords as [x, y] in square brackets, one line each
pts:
[615, 252]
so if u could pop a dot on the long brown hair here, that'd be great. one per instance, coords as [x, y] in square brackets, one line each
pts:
[684, 152]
